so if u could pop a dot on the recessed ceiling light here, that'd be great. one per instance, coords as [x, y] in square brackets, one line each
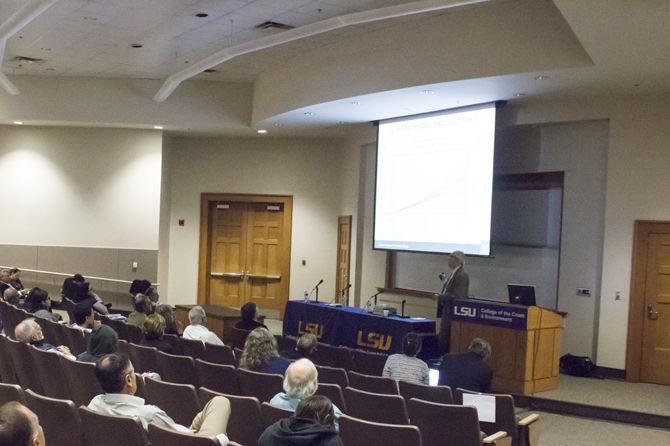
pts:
[519, 95]
[136, 45]
[276, 124]
[158, 127]
[427, 92]
[309, 114]
[201, 15]
[541, 77]
[355, 103]
[18, 122]
[261, 131]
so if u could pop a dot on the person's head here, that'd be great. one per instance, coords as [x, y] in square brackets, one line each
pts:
[11, 295]
[79, 290]
[83, 314]
[301, 379]
[102, 341]
[153, 326]
[317, 408]
[14, 273]
[480, 347]
[411, 344]
[4, 275]
[144, 305]
[139, 286]
[456, 259]
[79, 278]
[306, 344]
[116, 374]
[197, 315]
[28, 331]
[39, 300]
[168, 314]
[259, 348]
[19, 426]
[249, 311]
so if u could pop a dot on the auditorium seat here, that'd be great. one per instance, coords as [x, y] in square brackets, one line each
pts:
[193, 348]
[333, 375]
[81, 380]
[122, 346]
[331, 356]
[238, 337]
[220, 354]
[26, 374]
[162, 436]
[376, 407]
[354, 431]
[374, 384]
[134, 333]
[120, 327]
[110, 430]
[177, 369]
[368, 363]
[174, 340]
[271, 414]
[51, 331]
[334, 393]
[10, 392]
[7, 375]
[523, 432]
[179, 401]
[245, 425]
[59, 419]
[260, 385]
[435, 394]
[76, 340]
[144, 359]
[217, 377]
[442, 424]
[51, 373]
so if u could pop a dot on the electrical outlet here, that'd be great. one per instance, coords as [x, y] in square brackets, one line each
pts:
[304, 262]
[586, 292]
[135, 265]
[617, 295]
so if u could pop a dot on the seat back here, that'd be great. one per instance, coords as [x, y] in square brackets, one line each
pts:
[120, 327]
[26, 374]
[238, 337]
[334, 393]
[271, 414]
[436, 394]
[169, 437]
[110, 430]
[442, 424]
[52, 332]
[375, 407]
[260, 385]
[179, 401]
[175, 341]
[10, 392]
[192, 347]
[245, 425]
[81, 380]
[333, 375]
[220, 354]
[7, 374]
[368, 363]
[59, 419]
[354, 431]
[144, 359]
[177, 369]
[75, 339]
[505, 417]
[217, 377]
[51, 373]
[375, 384]
[134, 333]
[332, 356]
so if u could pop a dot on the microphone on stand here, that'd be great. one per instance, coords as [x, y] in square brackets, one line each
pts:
[402, 308]
[344, 290]
[316, 288]
[374, 296]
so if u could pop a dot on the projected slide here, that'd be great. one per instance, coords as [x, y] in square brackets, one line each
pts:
[434, 182]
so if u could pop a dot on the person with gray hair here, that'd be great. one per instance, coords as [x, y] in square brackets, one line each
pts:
[468, 370]
[197, 330]
[300, 381]
[29, 331]
[19, 426]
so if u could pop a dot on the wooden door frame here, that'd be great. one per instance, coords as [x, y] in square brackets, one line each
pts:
[206, 198]
[349, 219]
[636, 312]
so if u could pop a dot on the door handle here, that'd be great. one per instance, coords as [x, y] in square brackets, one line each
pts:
[263, 276]
[232, 275]
[651, 314]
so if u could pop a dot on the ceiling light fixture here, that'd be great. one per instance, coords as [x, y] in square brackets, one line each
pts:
[158, 127]
[309, 114]
[18, 122]
[519, 95]
[427, 92]
[210, 70]
[541, 77]
[355, 103]
[261, 131]
[276, 124]
[136, 45]
[201, 15]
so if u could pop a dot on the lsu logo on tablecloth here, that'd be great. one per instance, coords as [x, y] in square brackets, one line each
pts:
[310, 327]
[377, 341]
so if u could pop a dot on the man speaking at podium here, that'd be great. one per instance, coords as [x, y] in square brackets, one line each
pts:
[455, 287]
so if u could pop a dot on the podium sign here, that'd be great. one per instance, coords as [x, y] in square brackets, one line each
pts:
[489, 313]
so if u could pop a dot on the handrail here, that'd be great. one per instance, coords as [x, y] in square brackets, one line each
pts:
[106, 279]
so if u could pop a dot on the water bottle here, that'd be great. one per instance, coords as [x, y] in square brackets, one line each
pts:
[306, 298]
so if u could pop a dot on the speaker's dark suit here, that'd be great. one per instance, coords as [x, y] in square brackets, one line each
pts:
[454, 288]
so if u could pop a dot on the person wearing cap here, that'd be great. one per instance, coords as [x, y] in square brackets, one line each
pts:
[455, 287]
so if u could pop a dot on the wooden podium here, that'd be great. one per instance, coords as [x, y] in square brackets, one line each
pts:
[525, 341]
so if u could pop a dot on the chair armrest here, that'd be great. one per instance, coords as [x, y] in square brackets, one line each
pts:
[491, 439]
[529, 419]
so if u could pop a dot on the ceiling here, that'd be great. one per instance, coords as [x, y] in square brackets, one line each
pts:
[628, 42]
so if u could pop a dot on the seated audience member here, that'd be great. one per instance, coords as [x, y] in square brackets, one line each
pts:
[141, 286]
[153, 329]
[19, 426]
[304, 347]
[117, 378]
[15, 279]
[249, 314]
[5, 281]
[30, 332]
[11, 296]
[300, 381]
[79, 290]
[468, 370]
[197, 330]
[172, 325]
[260, 353]
[312, 425]
[143, 307]
[84, 317]
[102, 341]
[406, 366]
[38, 302]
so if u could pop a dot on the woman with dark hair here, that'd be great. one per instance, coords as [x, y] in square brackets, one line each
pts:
[407, 366]
[312, 425]
[78, 290]
[102, 341]
[260, 353]
[172, 325]
[15, 279]
[38, 302]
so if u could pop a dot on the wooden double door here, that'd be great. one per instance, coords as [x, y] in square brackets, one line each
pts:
[246, 244]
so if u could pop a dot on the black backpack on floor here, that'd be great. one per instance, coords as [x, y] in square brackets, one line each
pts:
[577, 365]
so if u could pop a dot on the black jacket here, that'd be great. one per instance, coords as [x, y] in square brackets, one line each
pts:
[299, 432]
[467, 371]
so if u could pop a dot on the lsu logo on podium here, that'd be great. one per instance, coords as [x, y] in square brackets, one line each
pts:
[465, 311]
[374, 340]
[310, 327]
